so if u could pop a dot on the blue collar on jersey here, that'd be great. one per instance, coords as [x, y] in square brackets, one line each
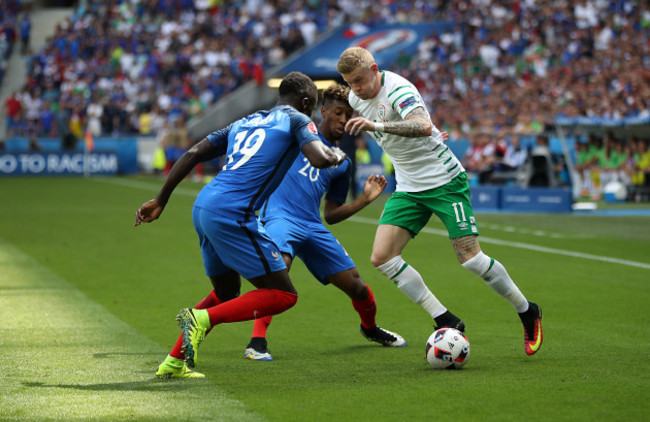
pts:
[325, 141]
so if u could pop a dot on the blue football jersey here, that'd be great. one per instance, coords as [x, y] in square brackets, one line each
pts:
[260, 148]
[299, 195]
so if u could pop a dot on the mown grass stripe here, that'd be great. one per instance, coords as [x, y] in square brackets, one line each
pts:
[66, 358]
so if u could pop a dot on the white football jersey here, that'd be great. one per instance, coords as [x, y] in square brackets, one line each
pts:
[420, 163]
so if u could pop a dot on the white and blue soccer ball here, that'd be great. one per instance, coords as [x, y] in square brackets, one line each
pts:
[447, 348]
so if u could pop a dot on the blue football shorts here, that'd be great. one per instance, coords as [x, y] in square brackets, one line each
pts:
[322, 254]
[227, 244]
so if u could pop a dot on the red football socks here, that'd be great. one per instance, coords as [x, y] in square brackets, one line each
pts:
[261, 325]
[209, 301]
[252, 305]
[255, 304]
[367, 310]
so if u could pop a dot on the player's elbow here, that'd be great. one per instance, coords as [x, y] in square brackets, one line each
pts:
[319, 161]
[330, 219]
[427, 127]
[193, 155]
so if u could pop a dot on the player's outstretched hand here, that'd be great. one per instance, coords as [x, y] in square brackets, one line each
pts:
[356, 125]
[445, 136]
[374, 186]
[340, 155]
[148, 212]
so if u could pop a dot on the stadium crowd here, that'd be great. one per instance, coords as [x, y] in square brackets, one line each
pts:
[118, 66]
[512, 67]
[126, 66]
[13, 27]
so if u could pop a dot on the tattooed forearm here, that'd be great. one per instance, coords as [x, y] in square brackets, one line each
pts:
[465, 247]
[417, 124]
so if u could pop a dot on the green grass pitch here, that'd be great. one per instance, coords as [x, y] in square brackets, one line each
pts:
[87, 304]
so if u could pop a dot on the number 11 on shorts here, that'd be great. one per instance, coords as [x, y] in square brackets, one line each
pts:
[457, 206]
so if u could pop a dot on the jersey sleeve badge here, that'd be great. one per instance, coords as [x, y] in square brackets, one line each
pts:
[407, 102]
[312, 128]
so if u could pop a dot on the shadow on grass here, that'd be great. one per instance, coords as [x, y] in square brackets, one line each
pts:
[356, 349]
[148, 385]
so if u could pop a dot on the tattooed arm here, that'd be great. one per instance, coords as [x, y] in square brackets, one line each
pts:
[416, 125]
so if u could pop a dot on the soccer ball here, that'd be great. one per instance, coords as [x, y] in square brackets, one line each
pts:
[447, 348]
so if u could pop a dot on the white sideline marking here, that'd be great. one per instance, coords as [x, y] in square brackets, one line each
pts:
[484, 239]
[143, 185]
[528, 246]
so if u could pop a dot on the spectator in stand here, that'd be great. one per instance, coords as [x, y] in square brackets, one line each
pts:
[47, 120]
[638, 156]
[7, 35]
[515, 156]
[76, 122]
[507, 158]
[176, 142]
[3, 59]
[293, 41]
[582, 177]
[614, 166]
[94, 113]
[13, 109]
[643, 165]
[25, 33]
[362, 154]
[145, 119]
[594, 156]
[34, 145]
[480, 157]
[631, 147]
[544, 168]
[31, 102]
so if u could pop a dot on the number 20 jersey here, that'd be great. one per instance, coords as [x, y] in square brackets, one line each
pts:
[260, 148]
[299, 195]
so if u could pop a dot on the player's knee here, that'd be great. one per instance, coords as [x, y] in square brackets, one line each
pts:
[392, 267]
[358, 290]
[286, 299]
[226, 294]
[226, 286]
[377, 259]
[479, 264]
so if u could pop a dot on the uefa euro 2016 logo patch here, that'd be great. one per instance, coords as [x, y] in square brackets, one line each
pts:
[407, 102]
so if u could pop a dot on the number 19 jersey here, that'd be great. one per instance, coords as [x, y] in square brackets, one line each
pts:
[260, 149]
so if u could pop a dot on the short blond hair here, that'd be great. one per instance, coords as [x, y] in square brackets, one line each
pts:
[354, 58]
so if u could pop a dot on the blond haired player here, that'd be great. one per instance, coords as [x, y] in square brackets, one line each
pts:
[430, 180]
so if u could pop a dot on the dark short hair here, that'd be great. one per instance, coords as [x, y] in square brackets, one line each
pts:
[336, 92]
[298, 84]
